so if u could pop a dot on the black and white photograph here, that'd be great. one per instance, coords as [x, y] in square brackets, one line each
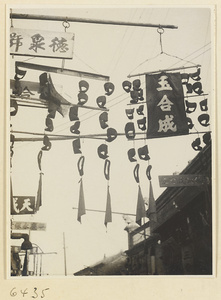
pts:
[111, 138]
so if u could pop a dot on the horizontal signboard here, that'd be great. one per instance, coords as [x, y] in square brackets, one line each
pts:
[182, 180]
[41, 43]
[28, 226]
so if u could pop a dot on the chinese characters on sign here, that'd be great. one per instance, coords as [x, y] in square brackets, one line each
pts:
[182, 180]
[41, 43]
[22, 205]
[28, 225]
[165, 104]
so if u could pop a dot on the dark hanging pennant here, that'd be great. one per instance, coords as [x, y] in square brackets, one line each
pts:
[108, 212]
[81, 203]
[152, 212]
[39, 194]
[165, 105]
[140, 212]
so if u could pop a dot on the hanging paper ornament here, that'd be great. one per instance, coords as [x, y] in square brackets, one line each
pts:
[130, 113]
[13, 107]
[76, 146]
[108, 212]
[142, 123]
[80, 165]
[107, 169]
[191, 107]
[196, 87]
[74, 128]
[103, 119]
[126, 86]
[73, 113]
[143, 153]
[19, 74]
[196, 144]
[189, 123]
[49, 124]
[207, 138]
[82, 98]
[140, 110]
[148, 172]
[203, 105]
[47, 143]
[111, 134]
[130, 130]
[131, 153]
[101, 101]
[39, 159]
[204, 120]
[140, 212]
[136, 84]
[83, 86]
[52, 108]
[195, 76]
[102, 151]
[136, 173]
[109, 88]
[81, 203]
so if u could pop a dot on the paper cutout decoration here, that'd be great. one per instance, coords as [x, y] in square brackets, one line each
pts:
[191, 107]
[74, 128]
[83, 86]
[108, 212]
[196, 87]
[102, 151]
[13, 108]
[136, 84]
[107, 169]
[81, 203]
[73, 113]
[111, 134]
[130, 130]
[80, 165]
[109, 88]
[140, 110]
[203, 105]
[101, 101]
[204, 120]
[103, 118]
[131, 153]
[196, 144]
[76, 146]
[140, 212]
[39, 158]
[142, 123]
[130, 113]
[39, 194]
[136, 173]
[49, 124]
[151, 212]
[47, 143]
[19, 74]
[165, 105]
[143, 153]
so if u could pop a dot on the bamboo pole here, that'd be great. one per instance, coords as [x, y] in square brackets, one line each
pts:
[84, 20]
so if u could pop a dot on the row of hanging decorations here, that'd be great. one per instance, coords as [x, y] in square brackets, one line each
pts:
[159, 113]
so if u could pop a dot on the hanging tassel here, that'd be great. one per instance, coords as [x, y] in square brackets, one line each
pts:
[81, 203]
[108, 213]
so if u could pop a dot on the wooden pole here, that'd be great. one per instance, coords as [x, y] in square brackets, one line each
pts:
[61, 71]
[83, 20]
[103, 211]
[65, 261]
[164, 70]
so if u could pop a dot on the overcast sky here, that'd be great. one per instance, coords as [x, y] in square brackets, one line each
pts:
[115, 51]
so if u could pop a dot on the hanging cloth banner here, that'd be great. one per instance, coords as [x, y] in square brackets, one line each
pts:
[81, 203]
[39, 194]
[30, 42]
[108, 213]
[165, 105]
[140, 213]
[151, 212]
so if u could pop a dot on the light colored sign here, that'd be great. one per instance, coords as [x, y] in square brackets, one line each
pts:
[28, 226]
[41, 43]
[182, 180]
